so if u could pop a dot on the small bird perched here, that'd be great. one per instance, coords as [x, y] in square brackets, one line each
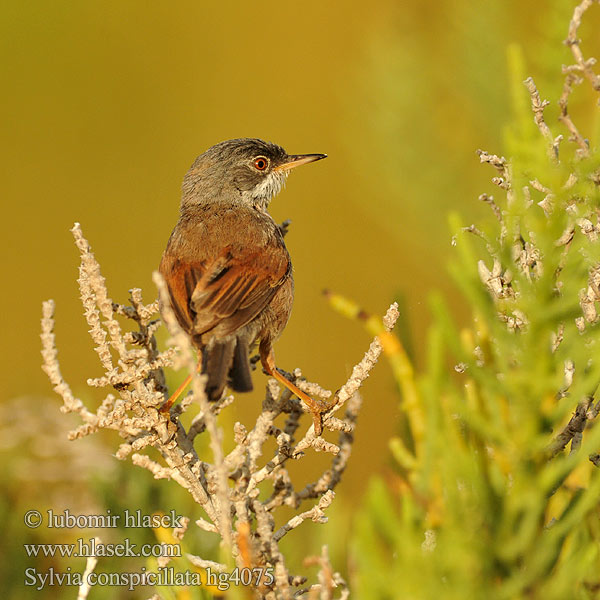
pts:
[227, 269]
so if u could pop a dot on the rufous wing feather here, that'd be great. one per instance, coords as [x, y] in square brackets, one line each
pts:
[215, 298]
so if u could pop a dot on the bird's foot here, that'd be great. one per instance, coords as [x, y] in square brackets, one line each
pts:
[316, 407]
[166, 407]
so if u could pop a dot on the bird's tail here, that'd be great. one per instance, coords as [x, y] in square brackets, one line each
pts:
[226, 363]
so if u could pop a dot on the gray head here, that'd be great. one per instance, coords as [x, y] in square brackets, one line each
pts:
[246, 170]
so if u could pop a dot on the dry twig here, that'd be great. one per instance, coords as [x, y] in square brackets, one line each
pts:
[228, 486]
[525, 253]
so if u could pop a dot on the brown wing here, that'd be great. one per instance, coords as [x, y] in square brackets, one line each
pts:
[220, 295]
[234, 290]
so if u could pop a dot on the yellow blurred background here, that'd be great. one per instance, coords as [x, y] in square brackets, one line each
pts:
[106, 104]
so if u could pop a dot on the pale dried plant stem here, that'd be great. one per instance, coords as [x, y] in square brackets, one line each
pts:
[228, 487]
[583, 226]
[583, 65]
[90, 565]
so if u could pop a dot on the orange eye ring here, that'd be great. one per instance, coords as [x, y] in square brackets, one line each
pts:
[261, 163]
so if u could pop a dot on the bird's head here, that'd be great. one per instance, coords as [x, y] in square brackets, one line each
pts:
[248, 170]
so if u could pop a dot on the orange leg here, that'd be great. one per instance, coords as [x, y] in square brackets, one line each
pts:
[316, 408]
[166, 407]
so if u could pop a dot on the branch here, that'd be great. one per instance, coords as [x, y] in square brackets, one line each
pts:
[133, 369]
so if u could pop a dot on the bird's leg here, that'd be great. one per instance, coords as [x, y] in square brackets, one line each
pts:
[166, 407]
[316, 408]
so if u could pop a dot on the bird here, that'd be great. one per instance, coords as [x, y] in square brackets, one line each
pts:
[227, 269]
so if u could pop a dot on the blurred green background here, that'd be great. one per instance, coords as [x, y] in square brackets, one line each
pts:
[106, 104]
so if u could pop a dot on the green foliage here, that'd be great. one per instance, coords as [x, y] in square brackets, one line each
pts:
[485, 502]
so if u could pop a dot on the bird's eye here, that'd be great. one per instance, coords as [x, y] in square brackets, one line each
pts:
[261, 163]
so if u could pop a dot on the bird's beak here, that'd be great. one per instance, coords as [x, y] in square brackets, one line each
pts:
[298, 159]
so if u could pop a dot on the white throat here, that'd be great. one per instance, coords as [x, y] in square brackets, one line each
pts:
[270, 186]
